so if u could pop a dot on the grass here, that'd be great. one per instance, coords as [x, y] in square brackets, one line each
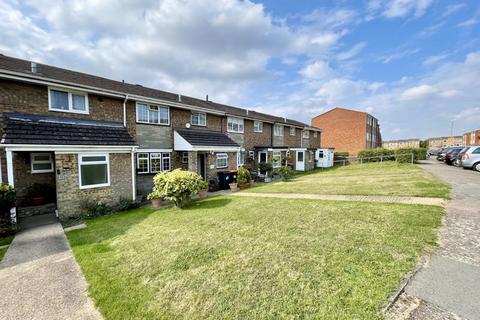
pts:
[239, 258]
[387, 179]
[3, 242]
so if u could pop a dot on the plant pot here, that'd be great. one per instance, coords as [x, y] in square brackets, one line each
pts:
[37, 201]
[243, 185]
[233, 186]
[268, 179]
[203, 193]
[157, 202]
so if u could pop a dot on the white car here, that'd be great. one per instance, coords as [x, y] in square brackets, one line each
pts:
[471, 158]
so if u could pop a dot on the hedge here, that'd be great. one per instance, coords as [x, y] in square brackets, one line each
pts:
[402, 155]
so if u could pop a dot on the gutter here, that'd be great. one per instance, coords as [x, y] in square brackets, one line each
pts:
[125, 111]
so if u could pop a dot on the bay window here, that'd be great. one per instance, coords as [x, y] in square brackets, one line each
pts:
[235, 125]
[153, 114]
[67, 101]
[94, 170]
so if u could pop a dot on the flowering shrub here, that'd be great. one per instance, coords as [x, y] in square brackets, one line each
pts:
[178, 186]
[243, 175]
[7, 199]
[286, 173]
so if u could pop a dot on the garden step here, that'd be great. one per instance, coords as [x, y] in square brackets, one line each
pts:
[48, 208]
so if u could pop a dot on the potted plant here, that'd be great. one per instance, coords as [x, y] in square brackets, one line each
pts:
[233, 186]
[203, 193]
[265, 167]
[243, 178]
[155, 199]
[7, 202]
[39, 194]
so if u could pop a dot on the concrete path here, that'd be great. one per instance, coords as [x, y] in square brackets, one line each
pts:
[389, 199]
[40, 278]
[448, 286]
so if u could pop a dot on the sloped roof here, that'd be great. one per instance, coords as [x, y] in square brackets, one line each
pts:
[22, 128]
[206, 138]
[68, 76]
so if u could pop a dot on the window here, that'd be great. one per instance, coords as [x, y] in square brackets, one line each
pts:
[67, 101]
[184, 157]
[476, 151]
[276, 159]
[320, 154]
[222, 160]
[292, 131]
[142, 163]
[94, 171]
[278, 130]
[251, 154]
[315, 134]
[153, 114]
[240, 158]
[306, 134]
[41, 162]
[155, 162]
[235, 125]
[257, 126]
[199, 118]
[166, 161]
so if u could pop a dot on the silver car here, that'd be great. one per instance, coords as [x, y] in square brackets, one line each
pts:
[471, 158]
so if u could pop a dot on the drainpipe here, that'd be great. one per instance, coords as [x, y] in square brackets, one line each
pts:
[134, 189]
[125, 110]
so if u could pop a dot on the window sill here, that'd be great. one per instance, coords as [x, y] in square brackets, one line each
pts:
[93, 186]
[154, 124]
[69, 111]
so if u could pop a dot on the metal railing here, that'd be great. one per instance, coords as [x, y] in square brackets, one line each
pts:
[380, 159]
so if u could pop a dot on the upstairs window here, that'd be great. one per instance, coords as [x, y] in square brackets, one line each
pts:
[315, 134]
[199, 118]
[67, 101]
[292, 131]
[235, 125]
[94, 171]
[278, 130]
[147, 113]
[306, 134]
[257, 126]
[41, 162]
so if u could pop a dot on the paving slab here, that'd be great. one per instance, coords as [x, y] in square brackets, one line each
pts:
[40, 278]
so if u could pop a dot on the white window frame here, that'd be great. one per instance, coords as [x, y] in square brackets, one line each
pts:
[240, 159]
[80, 163]
[33, 161]
[198, 115]
[278, 130]
[145, 158]
[257, 126]
[159, 158]
[293, 131]
[70, 100]
[315, 134]
[166, 155]
[221, 156]
[276, 154]
[306, 134]
[251, 154]
[234, 120]
[149, 106]
[184, 157]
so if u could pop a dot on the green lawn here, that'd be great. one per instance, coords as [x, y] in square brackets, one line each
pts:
[388, 178]
[255, 258]
[4, 241]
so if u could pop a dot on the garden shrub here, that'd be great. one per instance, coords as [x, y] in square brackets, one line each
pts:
[243, 176]
[92, 209]
[265, 167]
[7, 200]
[341, 154]
[421, 153]
[177, 185]
[375, 155]
[286, 173]
[125, 204]
[404, 155]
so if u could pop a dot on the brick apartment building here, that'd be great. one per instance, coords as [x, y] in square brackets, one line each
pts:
[439, 142]
[403, 143]
[471, 138]
[348, 130]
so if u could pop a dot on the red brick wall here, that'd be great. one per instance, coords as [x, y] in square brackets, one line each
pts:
[344, 130]
[253, 139]
[180, 117]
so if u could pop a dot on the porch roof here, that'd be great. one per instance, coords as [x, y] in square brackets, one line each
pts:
[193, 139]
[22, 128]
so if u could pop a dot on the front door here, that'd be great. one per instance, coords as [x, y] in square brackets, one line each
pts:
[262, 157]
[300, 163]
[201, 165]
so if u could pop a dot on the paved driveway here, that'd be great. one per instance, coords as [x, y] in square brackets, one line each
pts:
[449, 285]
[39, 277]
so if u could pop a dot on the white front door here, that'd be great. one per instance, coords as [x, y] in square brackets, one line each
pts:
[300, 163]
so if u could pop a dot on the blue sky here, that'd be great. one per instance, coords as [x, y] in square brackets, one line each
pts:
[414, 64]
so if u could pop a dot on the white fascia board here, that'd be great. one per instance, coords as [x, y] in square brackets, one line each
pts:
[298, 149]
[140, 150]
[278, 149]
[180, 144]
[67, 148]
[216, 149]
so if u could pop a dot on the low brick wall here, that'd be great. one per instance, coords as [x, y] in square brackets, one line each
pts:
[69, 194]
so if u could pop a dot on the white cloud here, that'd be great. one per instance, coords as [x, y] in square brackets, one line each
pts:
[397, 55]
[398, 8]
[468, 23]
[451, 9]
[317, 70]
[418, 92]
[434, 59]
[355, 50]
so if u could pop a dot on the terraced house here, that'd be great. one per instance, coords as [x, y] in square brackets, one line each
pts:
[70, 137]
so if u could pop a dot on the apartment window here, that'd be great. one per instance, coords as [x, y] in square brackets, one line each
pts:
[155, 162]
[41, 162]
[276, 159]
[94, 170]
[257, 126]
[306, 134]
[235, 124]
[278, 130]
[292, 131]
[240, 158]
[222, 160]
[184, 157]
[67, 101]
[199, 118]
[143, 163]
[153, 114]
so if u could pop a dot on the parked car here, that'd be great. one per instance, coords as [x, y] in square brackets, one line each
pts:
[451, 155]
[432, 152]
[471, 158]
[458, 158]
[441, 154]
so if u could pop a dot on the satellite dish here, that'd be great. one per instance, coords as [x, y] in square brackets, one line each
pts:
[187, 125]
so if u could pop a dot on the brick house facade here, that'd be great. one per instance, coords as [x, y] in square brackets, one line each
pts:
[348, 130]
[471, 138]
[90, 137]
